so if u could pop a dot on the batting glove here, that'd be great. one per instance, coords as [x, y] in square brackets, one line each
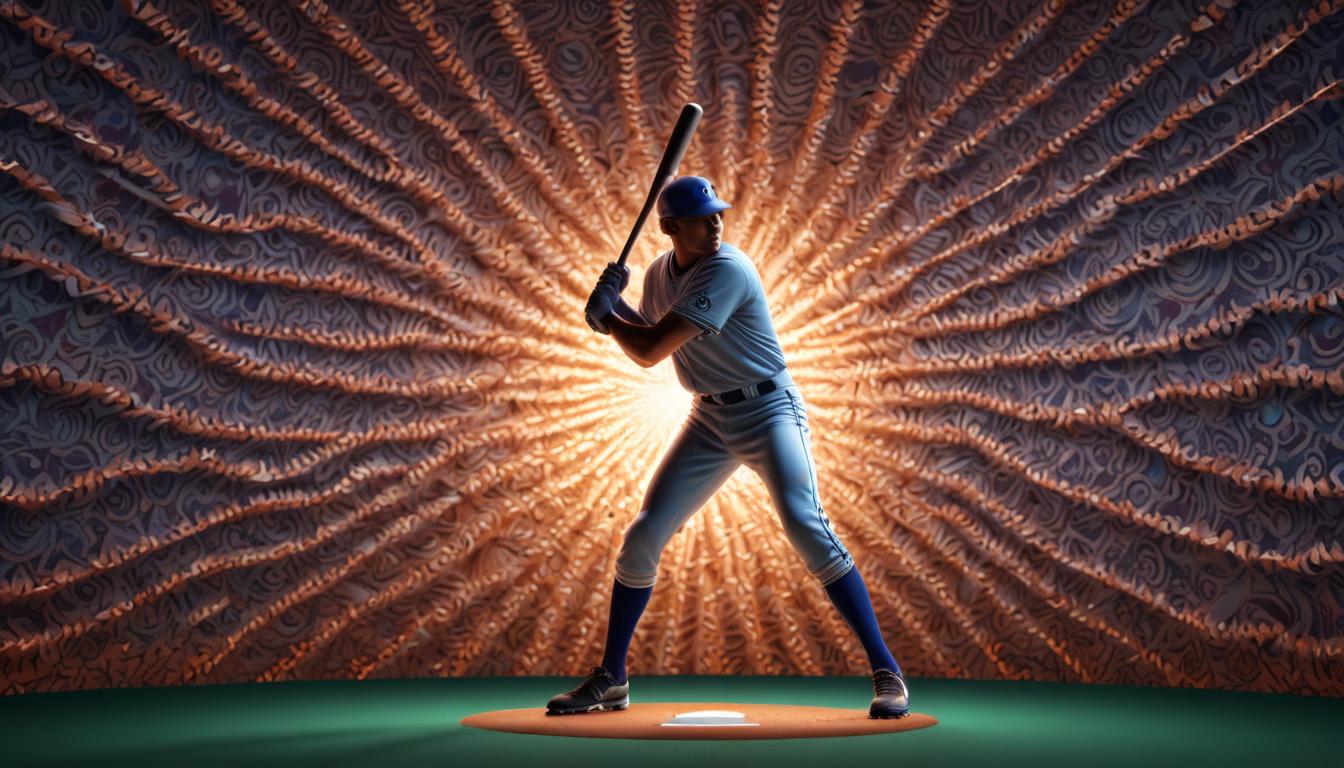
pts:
[598, 325]
[599, 307]
[616, 275]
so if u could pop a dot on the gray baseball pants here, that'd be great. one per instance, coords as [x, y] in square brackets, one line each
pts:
[768, 433]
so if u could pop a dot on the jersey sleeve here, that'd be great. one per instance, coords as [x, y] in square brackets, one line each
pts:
[715, 292]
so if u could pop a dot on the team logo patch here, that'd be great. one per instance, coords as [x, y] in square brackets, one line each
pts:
[702, 303]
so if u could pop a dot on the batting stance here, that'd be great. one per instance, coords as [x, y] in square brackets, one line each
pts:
[704, 305]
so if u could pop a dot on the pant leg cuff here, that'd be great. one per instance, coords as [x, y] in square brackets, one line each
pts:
[834, 570]
[636, 582]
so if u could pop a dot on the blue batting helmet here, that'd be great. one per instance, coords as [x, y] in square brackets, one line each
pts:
[689, 197]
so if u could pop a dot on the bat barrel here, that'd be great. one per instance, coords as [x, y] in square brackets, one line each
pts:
[667, 169]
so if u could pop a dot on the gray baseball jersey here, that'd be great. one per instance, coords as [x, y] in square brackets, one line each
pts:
[722, 294]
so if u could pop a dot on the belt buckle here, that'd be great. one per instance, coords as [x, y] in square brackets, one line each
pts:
[732, 397]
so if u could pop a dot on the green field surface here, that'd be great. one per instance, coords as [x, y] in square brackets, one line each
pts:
[416, 723]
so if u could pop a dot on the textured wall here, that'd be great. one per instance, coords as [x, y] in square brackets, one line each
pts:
[296, 383]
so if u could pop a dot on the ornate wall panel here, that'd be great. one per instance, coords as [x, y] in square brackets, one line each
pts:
[296, 382]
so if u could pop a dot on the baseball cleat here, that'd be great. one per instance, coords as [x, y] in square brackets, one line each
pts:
[891, 698]
[598, 692]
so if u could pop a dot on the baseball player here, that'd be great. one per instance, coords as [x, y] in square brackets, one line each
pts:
[703, 304]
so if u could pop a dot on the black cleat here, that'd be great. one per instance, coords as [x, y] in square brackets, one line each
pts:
[598, 692]
[891, 698]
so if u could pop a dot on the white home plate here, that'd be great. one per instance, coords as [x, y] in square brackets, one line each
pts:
[708, 717]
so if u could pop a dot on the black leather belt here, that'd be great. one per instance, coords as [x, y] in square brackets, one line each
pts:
[738, 395]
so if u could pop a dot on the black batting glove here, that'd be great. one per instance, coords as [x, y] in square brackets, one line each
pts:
[615, 275]
[600, 306]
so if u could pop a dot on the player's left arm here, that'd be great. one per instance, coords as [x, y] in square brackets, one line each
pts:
[627, 312]
[648, 345]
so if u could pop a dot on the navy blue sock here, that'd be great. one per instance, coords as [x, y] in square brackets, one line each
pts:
[850, 596]
[627, 605]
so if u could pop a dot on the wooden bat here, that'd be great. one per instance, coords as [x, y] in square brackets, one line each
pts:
[667, 169]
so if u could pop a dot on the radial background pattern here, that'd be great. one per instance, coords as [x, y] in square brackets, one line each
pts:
[296, 382]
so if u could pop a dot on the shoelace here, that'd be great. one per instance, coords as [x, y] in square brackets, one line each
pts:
[888, 684]
[594, 675]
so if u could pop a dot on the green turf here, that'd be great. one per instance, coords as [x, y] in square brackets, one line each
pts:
[415, 722]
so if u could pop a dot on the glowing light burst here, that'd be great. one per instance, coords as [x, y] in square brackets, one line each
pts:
[658, 407]
[299, 384]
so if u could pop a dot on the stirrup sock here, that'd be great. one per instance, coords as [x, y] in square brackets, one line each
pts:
[627, 605]
[850, 596]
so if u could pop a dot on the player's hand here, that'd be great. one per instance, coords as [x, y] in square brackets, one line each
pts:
[616, 275]
[600, 305]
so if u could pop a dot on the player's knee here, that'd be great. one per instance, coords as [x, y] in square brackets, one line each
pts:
[800, 530]
[637, 564]
[815, 541]
[639, 531]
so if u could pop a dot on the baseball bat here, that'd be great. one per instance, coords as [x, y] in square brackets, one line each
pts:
[667, 169]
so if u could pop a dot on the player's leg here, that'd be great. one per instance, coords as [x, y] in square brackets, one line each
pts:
[774, 441]
[780, 452]
[695, 465]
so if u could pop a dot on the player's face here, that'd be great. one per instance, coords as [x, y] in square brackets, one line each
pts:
[701, 236]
